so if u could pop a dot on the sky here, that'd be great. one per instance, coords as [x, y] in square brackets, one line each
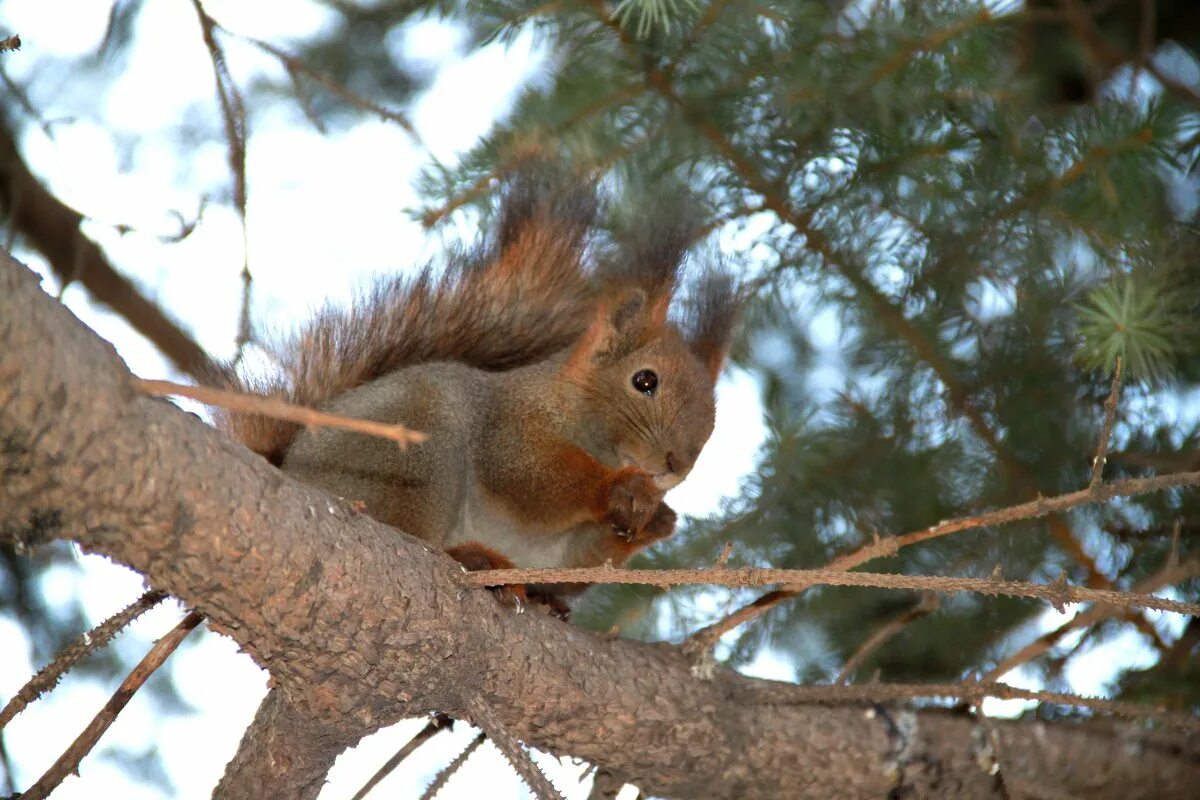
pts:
[305, 244]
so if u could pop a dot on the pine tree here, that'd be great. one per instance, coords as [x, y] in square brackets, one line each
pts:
[987, 207]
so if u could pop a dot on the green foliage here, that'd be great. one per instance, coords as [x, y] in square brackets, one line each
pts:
[1136, 325]
[946, 260]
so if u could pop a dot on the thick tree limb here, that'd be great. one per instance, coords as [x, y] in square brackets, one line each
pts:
[361, 625]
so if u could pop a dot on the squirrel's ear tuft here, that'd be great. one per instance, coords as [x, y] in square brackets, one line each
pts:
[652, 239]
[713, 309]
[617, 328]
[542, 225]
[543, 192]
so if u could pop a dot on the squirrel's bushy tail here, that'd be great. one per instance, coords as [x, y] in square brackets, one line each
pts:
[520, 295]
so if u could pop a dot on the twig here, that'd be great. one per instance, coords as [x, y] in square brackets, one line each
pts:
[438, 723]
[6, 763]
[279, 409]
[775, 693]
[233, 113]
[49, 226]
[1110, 418]
[1169, 575]
[1057, 594]
[924, 607]
[1041, 507]
[512, 750]
[49, 675]
[68, 762]
[296, 66]
[440, 781]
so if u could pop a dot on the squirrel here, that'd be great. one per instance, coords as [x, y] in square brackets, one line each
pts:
[559, 399]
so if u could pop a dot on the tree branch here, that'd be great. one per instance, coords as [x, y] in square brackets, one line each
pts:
[279, 409]
[49, 676]
[68, 762]
[54, 230]
[1058, 593]
[361, 625]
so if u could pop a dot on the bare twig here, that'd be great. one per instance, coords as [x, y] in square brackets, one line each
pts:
[68, 762]
[49, 226]
[1041, 507]
[1110, 418]
[49, 675]
[442, 777]
[233, 113]
[1169, 575]
[6, 763]
[296, 66]
[513, 751]
[1057, 594]
[924, 607]
[438, 723]
[775, 693]
[279, 409]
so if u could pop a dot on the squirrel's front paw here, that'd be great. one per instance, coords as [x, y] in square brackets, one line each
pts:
[661, 524]
[632, 501]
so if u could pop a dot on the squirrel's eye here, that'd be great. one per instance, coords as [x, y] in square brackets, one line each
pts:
[645, 381]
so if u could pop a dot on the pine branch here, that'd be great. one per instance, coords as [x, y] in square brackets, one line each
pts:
[49, 676]
[876, 693]
[1110, 418]
[440, 780]
[923, 608]
[1041, 507]
[438, 723]
[1169, 575]
[68, 762]
[513, 751]
[1058, 594]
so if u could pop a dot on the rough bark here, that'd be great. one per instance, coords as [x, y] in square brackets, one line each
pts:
[360, 625]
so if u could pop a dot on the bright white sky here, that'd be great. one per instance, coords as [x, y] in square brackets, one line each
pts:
[325, 213]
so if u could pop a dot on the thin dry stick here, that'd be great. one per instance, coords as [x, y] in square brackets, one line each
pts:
[279, 409]
[706, 637]
[871, 693]
[68, 762]
[48, 676]
[1058, 594]
[296, 66]
[925, 606]
[438, 723]
[452, 767]
[9, 784]
[1167, 576]
[1110, 419]
[512, 750]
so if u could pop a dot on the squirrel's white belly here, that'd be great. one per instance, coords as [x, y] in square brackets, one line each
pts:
[483, 522]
